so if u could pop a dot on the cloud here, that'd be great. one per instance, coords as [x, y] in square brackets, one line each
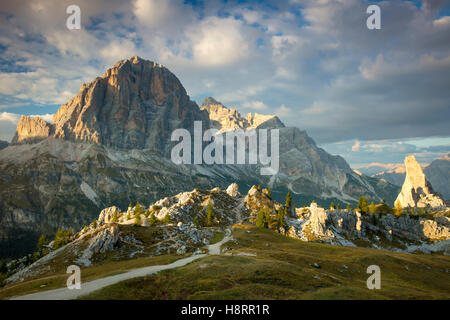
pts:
[255, 105]
[218, 41]
[356, 146]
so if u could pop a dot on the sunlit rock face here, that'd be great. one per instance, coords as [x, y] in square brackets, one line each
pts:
[31, 130]
[417, 190]
[136, 104]
[227, 119]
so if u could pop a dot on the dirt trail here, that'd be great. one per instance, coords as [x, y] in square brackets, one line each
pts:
[91, 286]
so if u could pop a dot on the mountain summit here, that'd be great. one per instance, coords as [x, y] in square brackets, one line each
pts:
[136, 104]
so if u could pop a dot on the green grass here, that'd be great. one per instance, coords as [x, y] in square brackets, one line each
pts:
[283, 269]
[217, 237]
[58, 278]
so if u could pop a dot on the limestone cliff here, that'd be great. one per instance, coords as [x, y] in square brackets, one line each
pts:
[417, 190]
[226, 119]
[32, 129]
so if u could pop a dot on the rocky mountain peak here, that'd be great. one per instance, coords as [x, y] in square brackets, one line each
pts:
[136, 104]
[417, 190]
[226, 119]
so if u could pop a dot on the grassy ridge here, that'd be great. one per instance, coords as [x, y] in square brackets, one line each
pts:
[285, 268]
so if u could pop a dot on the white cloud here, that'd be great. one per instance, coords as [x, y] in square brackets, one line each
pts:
[356, 146]
[256, 105]
[218, 41]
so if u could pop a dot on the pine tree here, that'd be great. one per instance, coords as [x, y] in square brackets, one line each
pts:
[259, 187]
[269, 193]
[398, 209]
[332, 207]
[130, 205]
[152, 220]
[338, 206]
[209, 214]
[43, 241]
[167, 219]
[281, 220]
[372, 208]
[138, 209]
[363, 204]
[261, 219]
[348, 207]
[137, 219]
[288, 202]
[115, 217]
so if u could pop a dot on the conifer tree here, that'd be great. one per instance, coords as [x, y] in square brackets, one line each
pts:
[281, 220]
[209, 214]
[115, 217]
[152, 220]
[372, 208]
[288, 202]
[398, 209]
[261, 219]
[363, 204]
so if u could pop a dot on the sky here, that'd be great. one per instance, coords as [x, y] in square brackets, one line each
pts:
[367, 95]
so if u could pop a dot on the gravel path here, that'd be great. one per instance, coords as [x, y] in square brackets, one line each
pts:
[91, 286]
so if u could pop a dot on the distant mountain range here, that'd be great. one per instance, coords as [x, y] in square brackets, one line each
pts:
[111, 144]
[437, 172]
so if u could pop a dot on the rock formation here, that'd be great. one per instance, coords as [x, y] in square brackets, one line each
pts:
[30, 130]
[417, 191]
[226, 119]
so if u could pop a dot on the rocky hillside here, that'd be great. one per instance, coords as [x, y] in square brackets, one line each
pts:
[110, 145]
[184, 223]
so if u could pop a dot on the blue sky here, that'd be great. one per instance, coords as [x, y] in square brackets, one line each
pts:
[368, 95]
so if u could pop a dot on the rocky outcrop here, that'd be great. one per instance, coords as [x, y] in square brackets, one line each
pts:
[31, 130]
[437, 173]
[417, 191]
[233, 190]
[350, 228]
[227, 119]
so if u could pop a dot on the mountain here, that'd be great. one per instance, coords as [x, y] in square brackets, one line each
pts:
[111, 145]
[437, 172]
[417, 191]
[3, 144]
